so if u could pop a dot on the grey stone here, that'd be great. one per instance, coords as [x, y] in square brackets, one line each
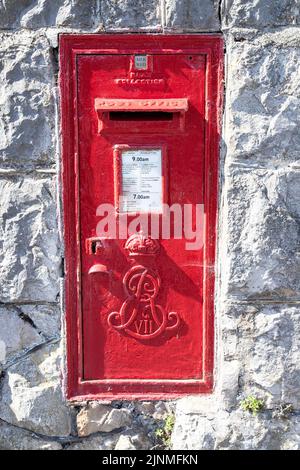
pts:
[266, 351]
[16, 335]
[31, 396]
[272, 362]
[261, 234]
[236, 430]
[95, 443]
[29, 245]
[42, 13]
[229, 382]
[146, 408]
[13, 438]
[46, 318]
[193, 431]
[10, 11]
[262, 114]
[96, 417]
[162, 410]
[291, 439]
[157, 410]
[125, 443]
[138, 438]
[133, 440]
[131, 14]
[189, 15]
[260, 13]
[27, 111]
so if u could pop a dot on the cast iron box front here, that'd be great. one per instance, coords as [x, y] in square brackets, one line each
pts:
[140, 117]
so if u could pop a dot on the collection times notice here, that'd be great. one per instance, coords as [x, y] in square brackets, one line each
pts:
[141, 181]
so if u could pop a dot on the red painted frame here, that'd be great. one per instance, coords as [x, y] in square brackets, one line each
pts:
[72, 45]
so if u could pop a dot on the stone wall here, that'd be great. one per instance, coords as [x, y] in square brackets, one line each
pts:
[257, 298]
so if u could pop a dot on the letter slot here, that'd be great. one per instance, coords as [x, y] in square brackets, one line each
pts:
[118, 114]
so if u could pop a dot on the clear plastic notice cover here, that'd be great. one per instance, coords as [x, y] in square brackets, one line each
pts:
[141, 176]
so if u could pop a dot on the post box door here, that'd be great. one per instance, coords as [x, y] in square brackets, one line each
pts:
[145, 192]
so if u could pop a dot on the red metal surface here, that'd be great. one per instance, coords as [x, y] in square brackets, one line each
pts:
[111, 352]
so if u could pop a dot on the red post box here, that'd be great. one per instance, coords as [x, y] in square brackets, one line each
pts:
[140, 133]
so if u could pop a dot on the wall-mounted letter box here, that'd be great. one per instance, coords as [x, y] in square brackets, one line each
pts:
[140, 125]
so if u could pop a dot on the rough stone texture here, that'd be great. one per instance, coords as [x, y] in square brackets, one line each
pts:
[31, 395]
[16, 335]
[262, 233]
[102, 418]
[209, 427]
[263, 98]
[125, 443]
[29, 251]
[275, 376]
[259, 354]
[158, 410]
[131, 14]
[258, 290]
[162, 410]
[145, 408]
[13, 438]
[135, 437]
[95, 443]
[27, 126]
[189, 15]
[23, 328]
[46, 318]
[39, 13]
[260, 13]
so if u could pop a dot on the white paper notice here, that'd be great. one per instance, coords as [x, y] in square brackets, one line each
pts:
[141, 181]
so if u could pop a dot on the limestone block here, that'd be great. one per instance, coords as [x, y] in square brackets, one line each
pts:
[13, 438]
[138, 438]
[229, 382]
[272, 362]
[46, 318]
[145, 407]
[131, 14]
[260, 233]
[235, 430]
[125, 443]
[16, 335]
[97, 417]
[27, 111]
[133, 441]
[260, 13]
[193, 432]
[262, 112]
[41, 13]
[95, 443]
[31, 396]
[267, 359]
[162, 410]
[188, 15]
[29, 244]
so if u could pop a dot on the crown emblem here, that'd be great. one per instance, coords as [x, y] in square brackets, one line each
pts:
[138, 244]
